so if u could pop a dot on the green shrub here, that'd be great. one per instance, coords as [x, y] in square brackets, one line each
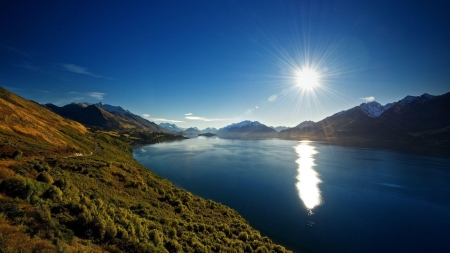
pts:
[243, 236]
[53, 193]
[61, 184]
[15, 187]
[45, 178]
[262, 249]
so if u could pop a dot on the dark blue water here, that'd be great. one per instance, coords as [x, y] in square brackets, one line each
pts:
[315, 197]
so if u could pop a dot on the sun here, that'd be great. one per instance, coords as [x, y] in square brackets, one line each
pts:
[307, 78]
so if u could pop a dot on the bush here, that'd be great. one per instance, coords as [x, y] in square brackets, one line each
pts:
[53, 193]
[15, 187]
[45, 178]
[17, 155]
[262, 249]
[243, 236]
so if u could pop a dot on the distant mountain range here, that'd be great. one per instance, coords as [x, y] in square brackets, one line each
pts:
[247, 129]
[413, 120]
[104, 116]
[186, 131]
[279, 128]
[171, 127]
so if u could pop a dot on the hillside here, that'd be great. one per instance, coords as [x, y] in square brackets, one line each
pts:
[100, 200]
[27, 126]
[414, 121]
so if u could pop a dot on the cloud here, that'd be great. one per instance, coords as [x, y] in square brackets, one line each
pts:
[272, 98]
[188, 114]
[29, 66]
[13, 49]
[166, 120]
[368, 99]
[97, 95]
[80, 70]
[145, 115]
[84, 95]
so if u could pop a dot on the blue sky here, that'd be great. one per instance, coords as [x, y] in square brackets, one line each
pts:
[212, 63]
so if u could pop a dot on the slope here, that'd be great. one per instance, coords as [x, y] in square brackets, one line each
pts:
[104, 201]
[26, 126]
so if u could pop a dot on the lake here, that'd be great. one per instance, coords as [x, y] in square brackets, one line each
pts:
[314, 197]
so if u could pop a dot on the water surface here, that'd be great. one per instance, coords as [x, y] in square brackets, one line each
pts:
[315, 197]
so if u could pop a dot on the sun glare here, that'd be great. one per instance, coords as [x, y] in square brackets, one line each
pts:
[307, 78]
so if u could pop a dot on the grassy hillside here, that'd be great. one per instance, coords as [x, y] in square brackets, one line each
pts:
[100, 200]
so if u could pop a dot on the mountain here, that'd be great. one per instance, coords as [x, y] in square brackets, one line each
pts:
[374, 109]
[420, 120]
[112, 109]
[279, 128]
[110, 118]
[171, 127]
[304, 124]
[250, 129]
[65, 188]
[191, 131]
[209, 130]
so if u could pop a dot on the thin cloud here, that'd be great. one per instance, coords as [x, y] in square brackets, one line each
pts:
[145, 115]
[29, 66]
[97, 95]
[80, 70]
[84, 95]
[13, 49]
[189, 114]
[368, 99]
[197, 118]
[166, 120]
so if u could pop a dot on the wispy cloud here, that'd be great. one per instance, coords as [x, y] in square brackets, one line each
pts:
[165, 120]
[145, 115]
[368, 99]
[14, 50]
[84, 95]
[29, 66]
[190, 116]
[97, 95]
[80, 70]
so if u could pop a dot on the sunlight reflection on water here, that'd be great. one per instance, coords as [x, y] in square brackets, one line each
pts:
[308, 178]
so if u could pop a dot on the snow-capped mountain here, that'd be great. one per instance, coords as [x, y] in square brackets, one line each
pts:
[374, 109]
[412, 121]
[111, 108]
[171, 127]
[247, 128]
[245, 123]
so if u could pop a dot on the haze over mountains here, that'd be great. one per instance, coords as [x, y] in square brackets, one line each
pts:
[414, 119]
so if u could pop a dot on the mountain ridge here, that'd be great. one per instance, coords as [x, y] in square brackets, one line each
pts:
[401, 123]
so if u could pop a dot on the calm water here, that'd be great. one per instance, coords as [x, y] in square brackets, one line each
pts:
[315, 197]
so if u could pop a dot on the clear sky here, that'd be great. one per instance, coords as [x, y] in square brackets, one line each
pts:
[212, 63]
